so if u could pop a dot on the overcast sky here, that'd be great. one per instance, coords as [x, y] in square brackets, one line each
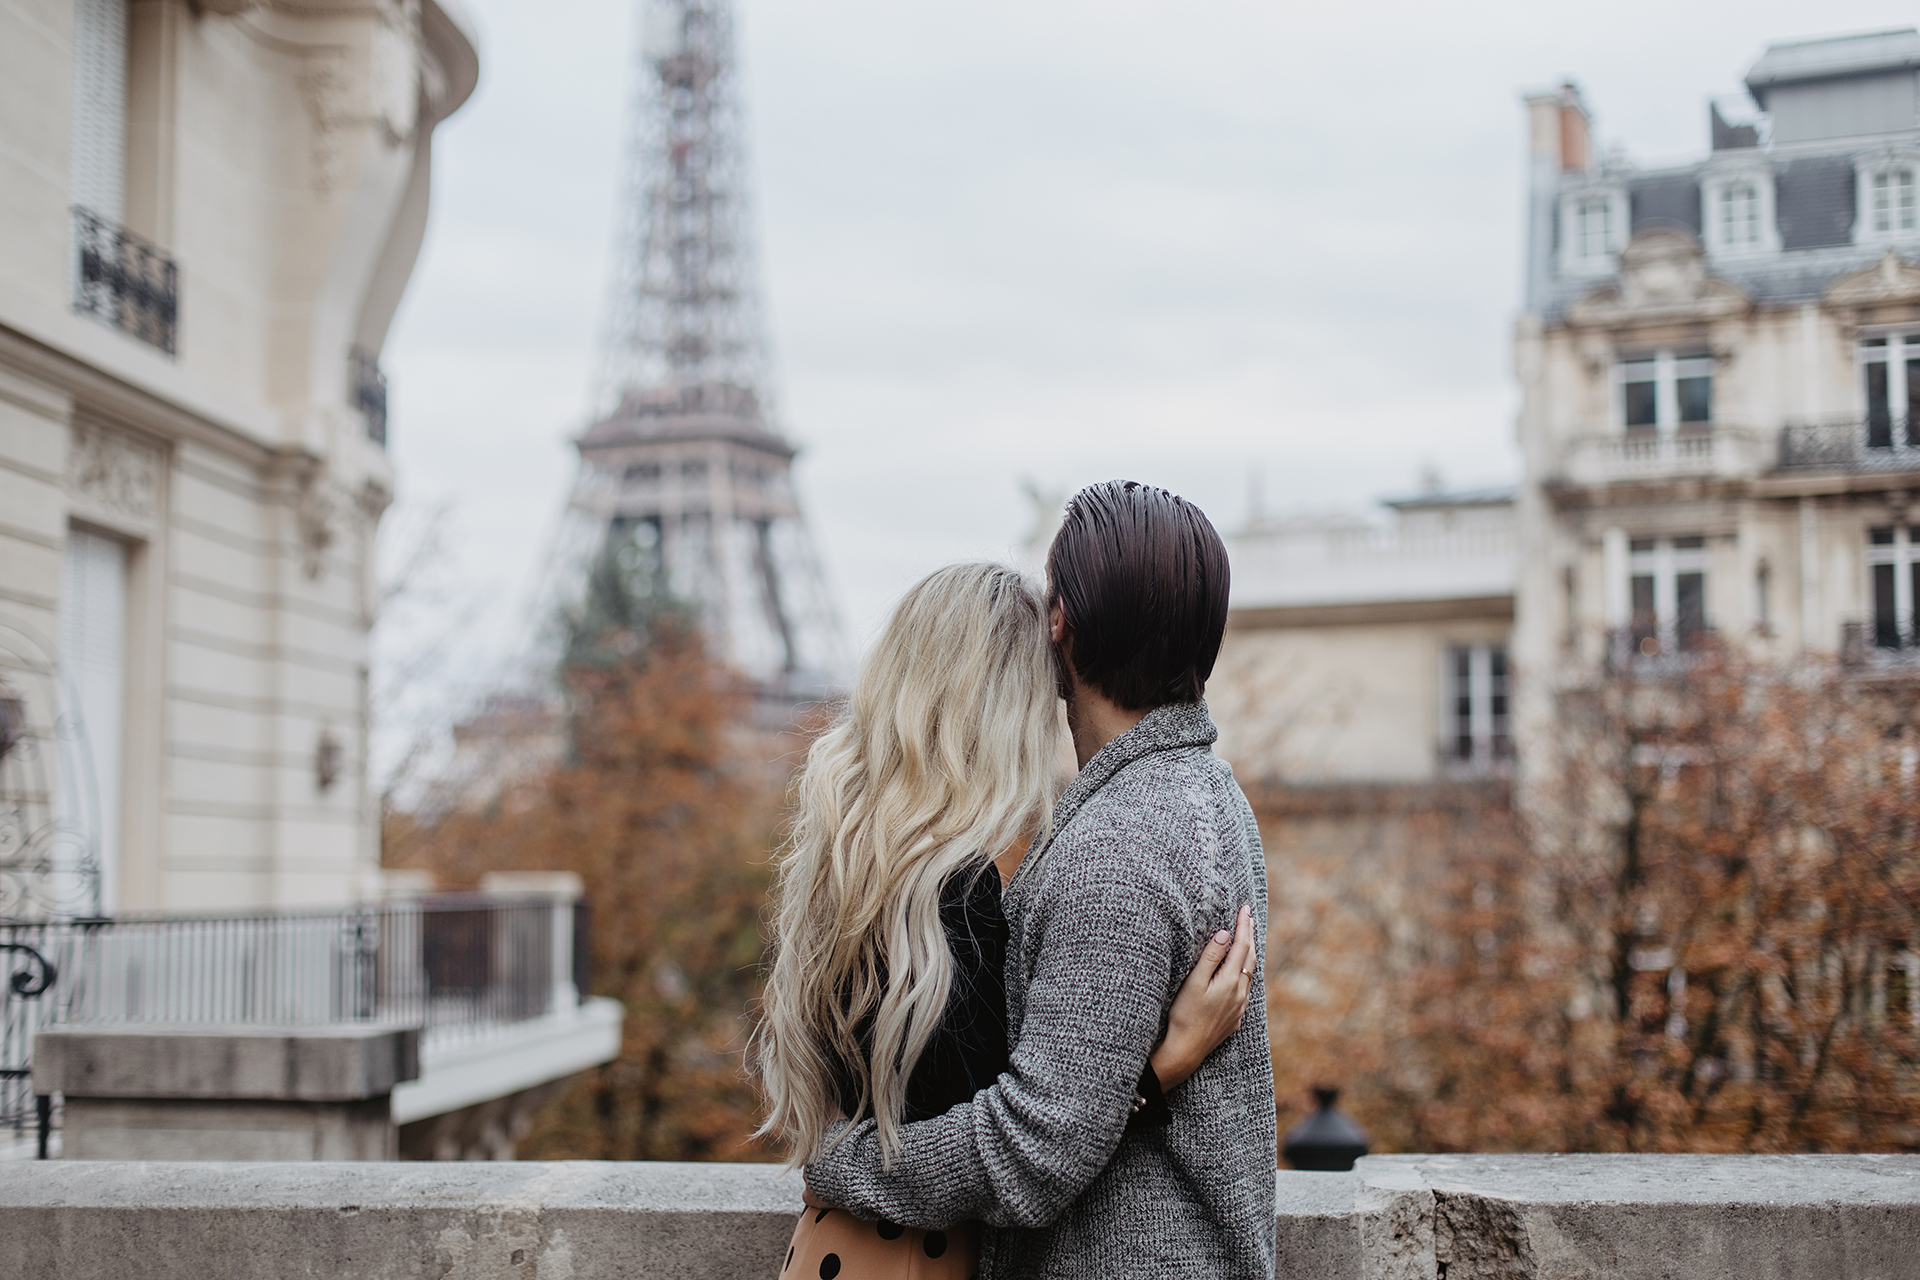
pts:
[1217, 245]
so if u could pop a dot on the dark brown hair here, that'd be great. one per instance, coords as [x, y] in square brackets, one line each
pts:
[1142, 578]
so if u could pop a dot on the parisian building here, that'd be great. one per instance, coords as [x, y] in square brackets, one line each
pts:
[211, 212]
[1719, 366]
[1715, 361]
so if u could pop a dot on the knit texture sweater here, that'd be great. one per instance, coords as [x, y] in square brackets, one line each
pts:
[1153, 847]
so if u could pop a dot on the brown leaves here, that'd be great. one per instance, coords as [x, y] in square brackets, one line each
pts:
[666, 812]
[1701, 938]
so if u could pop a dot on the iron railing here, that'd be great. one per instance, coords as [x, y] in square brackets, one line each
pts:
[369, 390]
[1878, 442]
[1883, 643]
[125, 281]
[458, 965]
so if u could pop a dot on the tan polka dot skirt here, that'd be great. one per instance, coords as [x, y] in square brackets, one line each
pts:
[832, 1244]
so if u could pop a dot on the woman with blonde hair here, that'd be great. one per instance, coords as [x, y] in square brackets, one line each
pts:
[886, 1000]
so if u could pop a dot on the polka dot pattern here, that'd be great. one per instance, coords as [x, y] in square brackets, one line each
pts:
[829, 1266]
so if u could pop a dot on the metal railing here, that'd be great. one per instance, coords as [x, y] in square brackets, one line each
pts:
[1657, 651]
[1881, 643]
[458, 965]
[369, 389]
[125, 281]
[1875, 443]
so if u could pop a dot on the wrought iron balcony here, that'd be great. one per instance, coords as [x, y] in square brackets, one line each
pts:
[369, 391]
[1644, 455]
[1875, 443]
[1884, 644]
[124, 281]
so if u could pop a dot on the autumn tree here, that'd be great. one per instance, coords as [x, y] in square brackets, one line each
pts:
[665, 810]
[1699, 938]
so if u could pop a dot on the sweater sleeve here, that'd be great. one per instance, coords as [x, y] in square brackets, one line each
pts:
[1023, 1149]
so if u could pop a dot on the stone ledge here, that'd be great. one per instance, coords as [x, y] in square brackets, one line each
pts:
[1394, 1218]
[177, 1060]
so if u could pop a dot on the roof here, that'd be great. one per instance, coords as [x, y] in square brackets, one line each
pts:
[1493, 496]
[1834, 58]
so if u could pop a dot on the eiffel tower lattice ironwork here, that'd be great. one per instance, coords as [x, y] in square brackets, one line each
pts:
[687, 469]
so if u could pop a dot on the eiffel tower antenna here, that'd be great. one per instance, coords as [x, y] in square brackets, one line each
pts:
[687, 462]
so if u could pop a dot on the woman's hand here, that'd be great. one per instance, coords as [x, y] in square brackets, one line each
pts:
[1210, 1004]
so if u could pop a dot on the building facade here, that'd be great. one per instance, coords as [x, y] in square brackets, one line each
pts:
[1359, 651]
[1719, 366]
[208, 213]
[1715, 361]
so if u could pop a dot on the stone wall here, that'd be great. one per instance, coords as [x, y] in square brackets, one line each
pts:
[1394, 1218]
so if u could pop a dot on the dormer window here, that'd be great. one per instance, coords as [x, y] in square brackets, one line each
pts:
[1739, 215]
[1593, 226]
[1890, 201]
[1888, 204]
[1738, 206]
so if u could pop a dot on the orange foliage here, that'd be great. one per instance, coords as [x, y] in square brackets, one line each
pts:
[665, 815]
[1701, 939]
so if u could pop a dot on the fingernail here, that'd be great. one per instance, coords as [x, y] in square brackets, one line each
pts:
[1223, 937]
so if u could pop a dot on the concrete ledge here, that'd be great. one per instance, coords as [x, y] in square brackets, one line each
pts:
[456, 1073]
[169, 1060]
[1394, 1218]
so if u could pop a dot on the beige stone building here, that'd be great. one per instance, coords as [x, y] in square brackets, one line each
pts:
[208, 213]
[1361, 651]
[1720, 373]
[1719, 364]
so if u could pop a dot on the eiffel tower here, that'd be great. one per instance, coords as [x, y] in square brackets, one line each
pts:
[688, 463]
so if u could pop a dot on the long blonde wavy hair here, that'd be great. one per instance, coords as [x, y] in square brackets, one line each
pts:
[943, 758]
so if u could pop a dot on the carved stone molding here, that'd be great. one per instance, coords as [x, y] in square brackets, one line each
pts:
[1890, 280]
[1663, 279]
[114, 476]
[316, 508]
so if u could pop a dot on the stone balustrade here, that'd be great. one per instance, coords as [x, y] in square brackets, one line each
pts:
[1393, 1218]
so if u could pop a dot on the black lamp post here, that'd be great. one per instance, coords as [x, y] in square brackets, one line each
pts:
[1328, 1140]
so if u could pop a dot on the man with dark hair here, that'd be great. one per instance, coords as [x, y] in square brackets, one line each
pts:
[1152, 847]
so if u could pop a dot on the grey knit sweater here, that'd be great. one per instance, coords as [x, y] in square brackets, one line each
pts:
[1153, 848]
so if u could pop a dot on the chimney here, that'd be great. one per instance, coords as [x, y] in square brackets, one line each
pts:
[1559, 129]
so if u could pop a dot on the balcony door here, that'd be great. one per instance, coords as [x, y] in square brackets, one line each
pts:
[1667, 593]
[1893, 560]
[1890, 382]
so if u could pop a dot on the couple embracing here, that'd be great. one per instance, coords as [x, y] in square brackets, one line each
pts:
[1009, 1035]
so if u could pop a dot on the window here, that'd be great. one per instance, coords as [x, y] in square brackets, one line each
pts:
[1736, 207]
[1666, 391]
[1893, 561]
[1593, 227]
[1667, 593]
[1477, 724]
[93, 661]
[1739, 212]
[1890, 378]
[1890, 202]
[97, 168]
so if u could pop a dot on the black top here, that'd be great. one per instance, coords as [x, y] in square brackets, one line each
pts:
[968, 1050]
